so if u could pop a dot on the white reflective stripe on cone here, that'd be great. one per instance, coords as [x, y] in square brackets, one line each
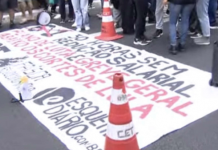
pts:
[118, 97]
[120, 132]
[107, 19]
[106, 4]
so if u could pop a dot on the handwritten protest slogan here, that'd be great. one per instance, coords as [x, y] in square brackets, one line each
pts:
[73, 78]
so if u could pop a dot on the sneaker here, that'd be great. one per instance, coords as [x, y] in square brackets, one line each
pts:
[158, 33]
[214, 26]
[202, 41]
[181, 47]
[31, 18]
[74, 25]
[99, 15]
[78, 29]
[173, 50]
[23, 20]
[140, 42]
[196, 35]
[63, 21]
[57, 16]
[147, 39]
[87, 28]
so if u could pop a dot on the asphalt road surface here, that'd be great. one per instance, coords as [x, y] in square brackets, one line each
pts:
[19, 130]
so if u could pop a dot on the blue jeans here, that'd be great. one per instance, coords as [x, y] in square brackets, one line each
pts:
[212, 11]
[202, 13]
[81, 12]
[175, 11]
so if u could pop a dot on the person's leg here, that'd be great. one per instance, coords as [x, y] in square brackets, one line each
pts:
[62, 11]
[22, 6]
[90, 3]
[127, 14]
[202, 13]
[78, 14]
[99, 15]
[12, 4]
[151, 11]
[53, 8]
[141, 9]
[174, 11]
[84, 10]
[71, 15]
[159, 15]
[212, 13]
[3, 7]
[43, 4]
[30, 9]
[184, 25]
[117, 17]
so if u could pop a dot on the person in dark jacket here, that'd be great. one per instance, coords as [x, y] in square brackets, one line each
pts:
[177, 7]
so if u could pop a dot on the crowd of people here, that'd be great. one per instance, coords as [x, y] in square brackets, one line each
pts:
[186, 17]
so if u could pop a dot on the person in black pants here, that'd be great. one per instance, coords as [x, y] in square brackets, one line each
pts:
[141, 11]
[63, 11]
[43, 4]
[127, 15]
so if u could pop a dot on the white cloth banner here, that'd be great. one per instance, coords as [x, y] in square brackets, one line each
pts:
[71, 76]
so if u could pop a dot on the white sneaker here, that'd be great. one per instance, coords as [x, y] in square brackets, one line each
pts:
[74, 25]
[87, 28]
[99, 15]
[23, 20]
[78, 29]
[31, 18]
[57, 16]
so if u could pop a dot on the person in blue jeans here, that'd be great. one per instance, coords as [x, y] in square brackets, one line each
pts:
[212, 14]
[81, 13]
[177, 7]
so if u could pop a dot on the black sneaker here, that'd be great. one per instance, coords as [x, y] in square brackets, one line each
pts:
[173, 50]
[158, 33]
[140, 42]
[181, 48]
[214, 26]
[63, 21]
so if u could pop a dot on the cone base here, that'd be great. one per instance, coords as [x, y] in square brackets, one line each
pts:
[111, 38]
[130, 144]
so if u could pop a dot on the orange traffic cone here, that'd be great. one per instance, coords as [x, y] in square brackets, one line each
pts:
[108, 32]
[121, 134]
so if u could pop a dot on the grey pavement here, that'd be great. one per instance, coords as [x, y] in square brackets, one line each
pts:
[19, 130]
